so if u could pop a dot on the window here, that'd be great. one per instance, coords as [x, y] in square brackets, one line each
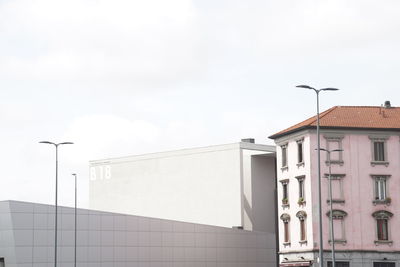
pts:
[338, 226]
[379, 151]
[302, 230]
[284, 156]
[382, 229]
[300, 152]
[302, 215]
[382, 226]
[337, 187]
[301, 188]
[380, 189]
[286, 234]
[286, 229]
[339, 264]
[379, 155]
[384, 264]
[302, 198]
[334, 141]
[285, 191]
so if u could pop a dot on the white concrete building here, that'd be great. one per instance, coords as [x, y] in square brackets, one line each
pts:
[229, 185]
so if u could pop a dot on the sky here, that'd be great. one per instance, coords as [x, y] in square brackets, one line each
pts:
[126, 77]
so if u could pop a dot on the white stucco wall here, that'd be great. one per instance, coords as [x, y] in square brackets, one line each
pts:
[201, 185]
[293, 208]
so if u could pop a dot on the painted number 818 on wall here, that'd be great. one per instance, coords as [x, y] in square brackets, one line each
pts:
[100, 173]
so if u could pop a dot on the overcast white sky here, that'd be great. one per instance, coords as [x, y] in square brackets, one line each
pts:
[127, 77]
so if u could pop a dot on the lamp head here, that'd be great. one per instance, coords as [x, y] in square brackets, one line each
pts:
[305, 86]
[66, 143]
[329, 89]
[46, 142]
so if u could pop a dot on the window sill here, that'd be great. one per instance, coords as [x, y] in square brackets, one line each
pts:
[381, 202]
[287, 205]
[339, 201]
[373, 163]
[303, 242]
[339, 241]
[301, 204]
[334, 162]
[383, 242]
[300, 164]
[286, 244]
[284, 168]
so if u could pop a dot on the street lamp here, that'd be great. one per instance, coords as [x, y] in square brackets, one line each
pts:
[74, 174]
[330, 203]
[321, 248]
[55, 226]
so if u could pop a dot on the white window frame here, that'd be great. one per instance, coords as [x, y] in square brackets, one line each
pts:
[338, 215]
[284, 183]
[302, 215]
[301, 187]
[381, 139]
[385, 215]
[337, 177]
[377, 199]
[284, 155]
[334, 138]
[286, 220]
[298, 143]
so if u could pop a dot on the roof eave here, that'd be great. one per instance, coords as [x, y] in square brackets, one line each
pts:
[275, 136]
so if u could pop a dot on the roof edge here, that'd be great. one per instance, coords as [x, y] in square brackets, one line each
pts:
[275, 136]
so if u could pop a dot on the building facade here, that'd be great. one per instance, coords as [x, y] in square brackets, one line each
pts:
[107, 239]
[365, 173]
[229, 185]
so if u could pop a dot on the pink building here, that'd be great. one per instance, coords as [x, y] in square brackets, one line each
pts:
[365, 183]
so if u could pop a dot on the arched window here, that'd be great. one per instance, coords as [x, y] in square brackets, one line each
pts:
[382, 226]
[286, 234]
[338, 225]
[302, 215]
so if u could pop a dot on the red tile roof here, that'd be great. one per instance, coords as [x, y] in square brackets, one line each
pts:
[352, 117]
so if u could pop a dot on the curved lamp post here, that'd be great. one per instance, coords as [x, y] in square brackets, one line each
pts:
[55, 226]
[330, 204]
[321, 246]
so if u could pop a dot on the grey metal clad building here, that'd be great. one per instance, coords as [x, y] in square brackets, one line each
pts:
[117, 240]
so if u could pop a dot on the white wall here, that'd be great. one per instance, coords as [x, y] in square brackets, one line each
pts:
[258, 190]
[194, 185]
[291, 173]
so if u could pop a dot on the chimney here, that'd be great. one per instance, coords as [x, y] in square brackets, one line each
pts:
[387, 104]
[248, 140]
